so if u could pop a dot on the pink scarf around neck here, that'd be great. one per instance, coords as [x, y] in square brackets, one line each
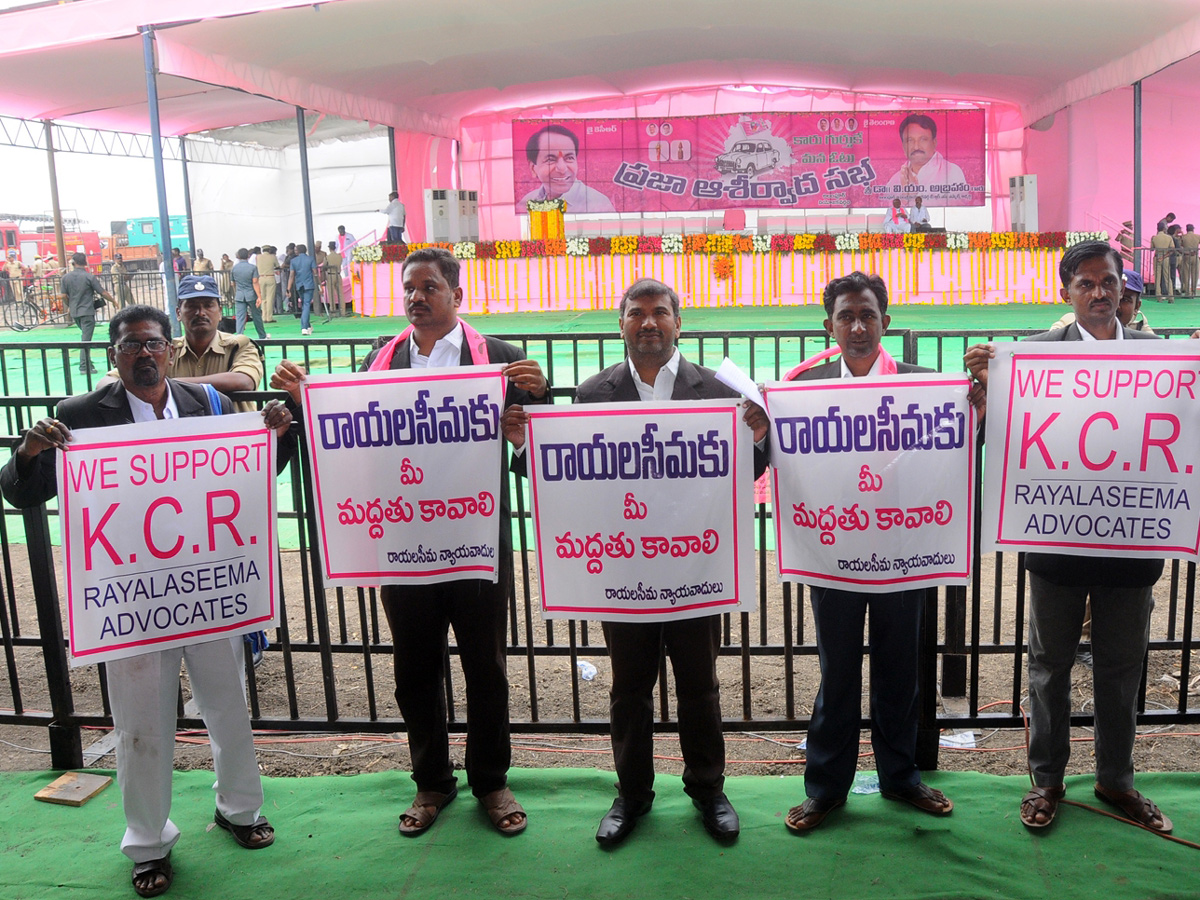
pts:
[475, 343]
[887, 365]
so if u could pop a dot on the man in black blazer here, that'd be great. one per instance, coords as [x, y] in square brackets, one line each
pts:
[143, 689]
[419, 615]
[1060, 586]
[655, 370]
[856, 306]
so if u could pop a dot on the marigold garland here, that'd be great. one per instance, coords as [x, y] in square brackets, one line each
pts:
[722, 266]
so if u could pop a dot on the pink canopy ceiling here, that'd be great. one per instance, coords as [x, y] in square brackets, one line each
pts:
[425, 67]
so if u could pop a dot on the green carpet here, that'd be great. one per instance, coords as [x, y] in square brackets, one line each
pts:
[337, 839]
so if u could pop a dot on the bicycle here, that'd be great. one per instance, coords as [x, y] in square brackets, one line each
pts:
[42, 304]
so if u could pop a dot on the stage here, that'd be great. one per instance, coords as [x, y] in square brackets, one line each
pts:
[970, 277]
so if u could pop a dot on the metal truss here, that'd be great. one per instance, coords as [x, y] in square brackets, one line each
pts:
[31, 135]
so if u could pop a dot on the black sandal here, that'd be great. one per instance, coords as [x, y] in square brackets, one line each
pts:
[153, 868]
[243, 833]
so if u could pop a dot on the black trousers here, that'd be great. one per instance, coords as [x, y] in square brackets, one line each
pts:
[634, 649]
[420, 617]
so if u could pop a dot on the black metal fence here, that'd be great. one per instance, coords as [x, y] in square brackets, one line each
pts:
[329, 665]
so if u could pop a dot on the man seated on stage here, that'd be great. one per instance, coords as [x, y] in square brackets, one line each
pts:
[1129, 310]
[144, 689]
[895, 221]
[655, 371]
[1121, 592]
[420, 614]
[918, 216]
[856, 306]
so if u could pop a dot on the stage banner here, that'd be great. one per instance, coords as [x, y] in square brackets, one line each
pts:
[406, 474]
[874, 481]
[643, 511]
[753, 161]
[168, 534]
[1091, 449]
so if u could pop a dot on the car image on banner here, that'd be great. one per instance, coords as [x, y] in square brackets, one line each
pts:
[753, 161]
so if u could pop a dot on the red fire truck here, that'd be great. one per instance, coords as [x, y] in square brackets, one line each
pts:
[40, 241]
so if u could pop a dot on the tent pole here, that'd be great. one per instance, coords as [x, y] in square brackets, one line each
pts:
[392, 158]
[59, 240]
[308, 218]
[1137, 175]
[160, 177]
[187, 198]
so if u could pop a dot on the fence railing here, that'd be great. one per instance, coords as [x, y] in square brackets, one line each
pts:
[323, 671]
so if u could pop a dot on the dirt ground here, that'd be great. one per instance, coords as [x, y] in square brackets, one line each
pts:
[997, 751]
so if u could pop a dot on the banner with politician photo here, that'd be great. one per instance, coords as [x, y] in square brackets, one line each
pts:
[873, 481]
[643, 511]
[762, 160]
[168, 534]
[406, 474]
[1092, 449]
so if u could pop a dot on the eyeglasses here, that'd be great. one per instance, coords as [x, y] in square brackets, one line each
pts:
[133, 348]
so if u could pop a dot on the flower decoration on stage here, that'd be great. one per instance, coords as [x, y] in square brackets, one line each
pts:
[935, 241]
[599, 246]
[846, 241]
[1071, 238]
[761, 243]
[722, 266]
[782, 243]
[914, 241]
[957, 240]
[650, 243]
[1055, 239]
[742, 243]
[824, 243]
[804, 242]
[979, 240]
[624, 245]
[369, 253]
[464, 250]
[577, 246]
[719, 243]
[485, 250]
[508, 249]
[394, 252]
[695, 243]
[557, 204]
[672, 243]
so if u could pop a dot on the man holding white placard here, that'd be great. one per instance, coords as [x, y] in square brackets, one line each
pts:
[1120, 591]
[655, 372]
[143, 689]
[421, 614]
[857, 309]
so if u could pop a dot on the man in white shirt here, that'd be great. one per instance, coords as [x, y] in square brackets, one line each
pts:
[553, 154]
[926, 167]
[918, 216]
[395, 215]
[654, 371]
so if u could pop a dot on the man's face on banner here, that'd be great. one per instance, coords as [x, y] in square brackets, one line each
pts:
[857, 324]
[557, 164]
[919, 145]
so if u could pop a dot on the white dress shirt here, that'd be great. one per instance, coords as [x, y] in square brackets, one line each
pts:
[144, 412]
[446, 353]
[664, 381]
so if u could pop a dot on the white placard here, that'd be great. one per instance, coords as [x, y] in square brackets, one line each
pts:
[874, 481]
[1092, 448]
[643, 511]
[168, 530]
[406, 473]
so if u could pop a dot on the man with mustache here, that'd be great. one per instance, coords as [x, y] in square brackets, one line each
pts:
[1060, 586]
[654, 371]
[925, 167]
[144, 689]
[553, 154]
[419, 615]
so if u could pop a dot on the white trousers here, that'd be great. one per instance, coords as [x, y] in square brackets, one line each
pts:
[144, 694]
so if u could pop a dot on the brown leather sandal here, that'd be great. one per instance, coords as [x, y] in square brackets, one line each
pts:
[1137, 808]
[152, 869]
[502, 807]
[1042, 800]
[420, 813]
